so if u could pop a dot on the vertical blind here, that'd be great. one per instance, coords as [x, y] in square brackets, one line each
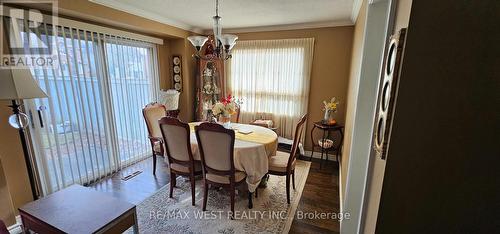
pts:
[272, 78]
[91, 125]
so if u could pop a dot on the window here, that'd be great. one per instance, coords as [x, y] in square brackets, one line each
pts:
[91, 125]
[272, 79]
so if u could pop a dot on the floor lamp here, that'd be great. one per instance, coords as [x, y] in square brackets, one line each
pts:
[15, 85]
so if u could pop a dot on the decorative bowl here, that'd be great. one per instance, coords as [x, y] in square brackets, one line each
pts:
[325, 143]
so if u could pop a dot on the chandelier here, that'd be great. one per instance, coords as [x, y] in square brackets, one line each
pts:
[222, 43]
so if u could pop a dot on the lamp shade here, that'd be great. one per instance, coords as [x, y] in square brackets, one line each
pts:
[197, 41]
[18, 84]
[228, 40]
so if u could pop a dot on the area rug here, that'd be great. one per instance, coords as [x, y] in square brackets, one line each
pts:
[270, 214]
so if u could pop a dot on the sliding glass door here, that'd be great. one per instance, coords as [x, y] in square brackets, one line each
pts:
[91, 125]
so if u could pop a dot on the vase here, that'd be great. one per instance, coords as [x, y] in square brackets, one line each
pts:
[329, 117]
[225, 120]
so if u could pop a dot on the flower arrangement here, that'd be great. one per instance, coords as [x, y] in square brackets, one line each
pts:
[331, 105]
[330, 109]
[226, 107]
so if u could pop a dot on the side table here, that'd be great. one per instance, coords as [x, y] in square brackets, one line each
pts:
[77, 209]
[327, 129]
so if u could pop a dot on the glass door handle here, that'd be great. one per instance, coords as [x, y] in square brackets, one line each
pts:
[40, 109]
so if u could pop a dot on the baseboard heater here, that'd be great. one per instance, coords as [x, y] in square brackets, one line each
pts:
[130, 176]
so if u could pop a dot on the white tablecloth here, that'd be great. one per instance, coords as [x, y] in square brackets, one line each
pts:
[250, 157]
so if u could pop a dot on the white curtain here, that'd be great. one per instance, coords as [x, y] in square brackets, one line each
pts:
[272, 78]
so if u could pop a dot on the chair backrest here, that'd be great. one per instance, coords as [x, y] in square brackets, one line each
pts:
[152, 112]
[296, 140]
[236, 117]
[176, 135]
[216, 145]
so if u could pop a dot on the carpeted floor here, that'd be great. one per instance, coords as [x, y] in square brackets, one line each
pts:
[271, 213]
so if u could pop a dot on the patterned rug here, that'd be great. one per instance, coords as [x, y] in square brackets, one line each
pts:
[270, 214]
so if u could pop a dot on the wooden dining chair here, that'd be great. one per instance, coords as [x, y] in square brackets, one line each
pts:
[283, 164]
[216, 145]
[176, 136]
[152, 112]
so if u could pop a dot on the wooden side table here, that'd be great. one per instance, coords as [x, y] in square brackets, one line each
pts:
[78, 209]
[327, 129]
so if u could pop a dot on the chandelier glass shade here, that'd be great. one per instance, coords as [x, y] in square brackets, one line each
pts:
[223, 43]
[198, 41]
[228, 41]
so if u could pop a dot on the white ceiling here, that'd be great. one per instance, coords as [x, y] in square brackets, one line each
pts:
[242, 15]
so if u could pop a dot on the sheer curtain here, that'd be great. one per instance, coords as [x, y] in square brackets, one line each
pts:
[272, 78]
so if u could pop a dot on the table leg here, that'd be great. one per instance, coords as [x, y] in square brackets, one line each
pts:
[321, 160]
[250, 202]
[322, 149]
[136, 224]
[326, 156]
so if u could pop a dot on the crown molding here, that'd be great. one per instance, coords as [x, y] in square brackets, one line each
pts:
[286, 27]
[115, 4]
[146, 14]
[356, 7]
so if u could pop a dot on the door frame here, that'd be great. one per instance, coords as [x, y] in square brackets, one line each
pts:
[379, 21]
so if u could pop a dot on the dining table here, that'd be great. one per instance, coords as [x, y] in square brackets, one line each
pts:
[253, 146]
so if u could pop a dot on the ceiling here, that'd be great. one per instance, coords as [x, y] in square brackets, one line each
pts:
[242, 15]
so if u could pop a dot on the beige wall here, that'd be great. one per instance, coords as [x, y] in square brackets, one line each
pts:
[377, 167]
[11, 154]
[357, 50]
[330, 68]
[186, 102]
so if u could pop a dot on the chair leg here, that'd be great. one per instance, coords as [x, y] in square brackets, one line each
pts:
[154, 163]
[191, 178]
[232, 202]
[172, 183]
[205, 195]
[293, 179]
[321, 160]
[288, 188]
[312, 152]
[250, 201]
